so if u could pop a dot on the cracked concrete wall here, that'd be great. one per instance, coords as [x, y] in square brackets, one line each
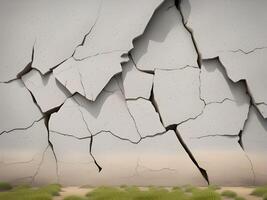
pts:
[111, 92]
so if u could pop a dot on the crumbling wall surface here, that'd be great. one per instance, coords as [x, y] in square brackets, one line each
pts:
[155, 92]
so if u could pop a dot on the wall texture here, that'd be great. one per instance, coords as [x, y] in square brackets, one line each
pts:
[154, 92]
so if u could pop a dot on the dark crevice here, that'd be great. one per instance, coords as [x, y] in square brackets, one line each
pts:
[190, 31]
[28, 67]
[97, 54]
[70, 135]
[81, 44]
[52, 68]
[154, 103]
[215, 135]
[90, 30]
[135, 99]
[90, 151]
[22, 128]
[240, 142]
[91, 137]
[47, 117]
[248, 52]
[202, 171]
[135, 124]
[91, 143]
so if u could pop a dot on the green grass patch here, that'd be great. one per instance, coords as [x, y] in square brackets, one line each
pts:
[21, 187]
[205, 194]
[73, 197]
[52, 189]
[259, 191]
[189, 188]
[239, 198]
[153, 193]
[229, 193]
[214, 187]
[264, 197]
[27, 193]
[5, 186]
[176, 188]
[133, 193]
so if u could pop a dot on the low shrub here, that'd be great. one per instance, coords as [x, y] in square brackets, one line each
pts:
[240, 198]
[5, 186]
[73, 197]
[259, 191]
[205, 194]
[214, 187]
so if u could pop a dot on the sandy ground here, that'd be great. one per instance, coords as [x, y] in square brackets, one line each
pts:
[68, 191]
[241, 191]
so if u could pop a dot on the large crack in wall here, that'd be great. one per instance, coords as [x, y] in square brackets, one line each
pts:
[168, 96]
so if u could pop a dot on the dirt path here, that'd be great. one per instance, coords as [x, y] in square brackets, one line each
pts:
[68, 191]
[242, 191]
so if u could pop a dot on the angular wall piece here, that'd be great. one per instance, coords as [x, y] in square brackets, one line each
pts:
[166, 44]
[46, 90]
[136, 83]
[263, 109]
[89, 76]
[145, 116]
[18, 111]
[176, 94]
[216, 86]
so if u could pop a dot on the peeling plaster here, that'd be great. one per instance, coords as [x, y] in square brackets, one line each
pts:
[106, 92]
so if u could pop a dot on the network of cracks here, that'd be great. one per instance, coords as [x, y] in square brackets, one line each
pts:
[112, 92]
